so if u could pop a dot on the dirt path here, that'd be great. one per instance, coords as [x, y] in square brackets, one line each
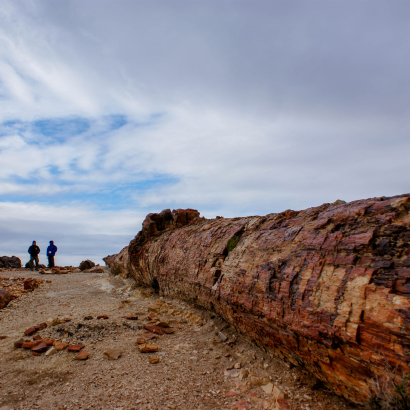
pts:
[191, 372]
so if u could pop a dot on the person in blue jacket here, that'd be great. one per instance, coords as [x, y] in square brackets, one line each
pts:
[34, 250]
[51, 251]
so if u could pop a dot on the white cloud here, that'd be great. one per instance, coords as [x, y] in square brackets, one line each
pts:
[239, 109]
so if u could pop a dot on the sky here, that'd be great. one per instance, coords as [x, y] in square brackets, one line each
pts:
[110, 110]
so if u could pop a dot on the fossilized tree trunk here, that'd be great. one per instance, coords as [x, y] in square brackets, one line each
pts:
[326, 288]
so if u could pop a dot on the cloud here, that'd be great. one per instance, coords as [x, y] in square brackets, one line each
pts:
[228, 107]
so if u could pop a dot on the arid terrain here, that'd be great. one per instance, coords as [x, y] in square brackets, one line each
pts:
[204, 364]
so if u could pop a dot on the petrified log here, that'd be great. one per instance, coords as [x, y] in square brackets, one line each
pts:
[10, 262]
[326, 288]
[87, 264]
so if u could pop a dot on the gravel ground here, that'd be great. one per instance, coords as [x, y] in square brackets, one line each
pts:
[191, 372]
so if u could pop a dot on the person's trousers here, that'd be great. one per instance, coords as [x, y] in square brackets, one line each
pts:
[50, 261]
[33, 258]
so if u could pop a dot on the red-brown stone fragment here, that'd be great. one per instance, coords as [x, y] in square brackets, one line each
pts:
[130, 317]
[102, 317]
[30, 331]
[40, 348]
[75, 348]
[154, 329]
[83, 355]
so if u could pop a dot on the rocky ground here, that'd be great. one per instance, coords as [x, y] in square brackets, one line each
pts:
[204, 364]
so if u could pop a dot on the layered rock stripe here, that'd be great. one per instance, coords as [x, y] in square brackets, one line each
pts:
[326, 288]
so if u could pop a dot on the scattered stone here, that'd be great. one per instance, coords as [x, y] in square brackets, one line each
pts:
[53, 322]
[267, 388]
[83, 355]
[163, 325]
[3, 337]
[168, 331]
[30, 331]
[88, 318]
[154, 329]
[52, 350]
[35, 353]
[40, 348]
[112, 354]
[153, 359]
[141, 341]
[237, 365]
[60, 346]
[20, 343]
[37, 337]
[48, 341]
[75, 348]
[30, 345]
[148, 348]
[102, 317]
[149, 336]
[131, 317]
[5, 298]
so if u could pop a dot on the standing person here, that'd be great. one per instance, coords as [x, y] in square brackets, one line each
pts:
[51, 251]
[34, 250]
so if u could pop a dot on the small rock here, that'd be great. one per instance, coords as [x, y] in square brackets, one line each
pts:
[40, 348]
[154, 329]
[163, 324]
[75, 348]
[237, 365]
[88, 318]
[52, 350]
[37, 337]
[83, 355]
[148, 348]
[30, 331]
[112, 354]
[60, 346]
[267, 388]
[153, 359]
[141, 341]
[149, 336]
[102, 317]
[3, 337]
[19, 343]
[53, 322]
[130, 317]
[35, 353]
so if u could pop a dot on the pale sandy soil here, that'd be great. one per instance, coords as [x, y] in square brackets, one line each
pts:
[189, 375]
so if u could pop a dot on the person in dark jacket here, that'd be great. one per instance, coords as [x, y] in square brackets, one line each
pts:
[34, 250]
[51, 251]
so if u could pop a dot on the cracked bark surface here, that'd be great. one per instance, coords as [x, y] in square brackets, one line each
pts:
[326, 288]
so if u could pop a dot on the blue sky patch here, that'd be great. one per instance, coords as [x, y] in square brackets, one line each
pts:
[61, 128]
